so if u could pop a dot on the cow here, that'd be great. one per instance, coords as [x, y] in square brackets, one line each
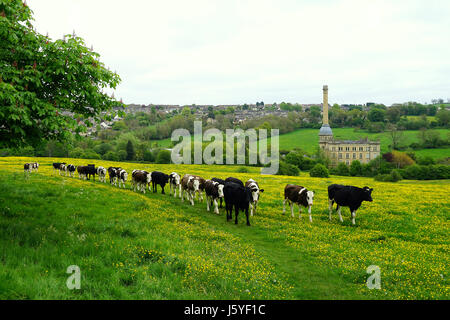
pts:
[34, 166]
[82, 172]
[238, 197]
[63, 168]
[71, 169]
[253, 185]
[159, 178]
[91, 171]
[27, 168]
[57, 166]
[299, 195]
[140, 179]
[174, 184]
[101, 172]
[189, 185]
[220, 181]
[213, 192]
[234, 180]
[201, 187]
[122, 176]
[348, 196]
[113, 175]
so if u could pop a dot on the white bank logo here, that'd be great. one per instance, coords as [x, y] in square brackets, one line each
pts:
[213, 152]
[74, 280]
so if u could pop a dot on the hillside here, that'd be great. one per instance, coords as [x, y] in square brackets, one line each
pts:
[152, 246]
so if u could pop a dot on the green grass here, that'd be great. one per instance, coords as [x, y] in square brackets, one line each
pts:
[152, 246]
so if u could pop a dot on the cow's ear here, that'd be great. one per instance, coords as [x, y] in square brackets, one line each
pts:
[371, 189]
[261, 190]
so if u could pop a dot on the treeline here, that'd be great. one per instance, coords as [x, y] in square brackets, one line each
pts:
[392, 166]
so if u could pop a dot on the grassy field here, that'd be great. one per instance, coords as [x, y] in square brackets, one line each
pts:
[152, 246]
[308, 140]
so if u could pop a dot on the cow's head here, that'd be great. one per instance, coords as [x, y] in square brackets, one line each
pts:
[148, 177]
[367, 194]
[309, 196]
[220, 189]
[195, 185]
[255, 190]
[124, 175]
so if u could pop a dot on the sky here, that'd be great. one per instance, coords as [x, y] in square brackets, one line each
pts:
[236, 52]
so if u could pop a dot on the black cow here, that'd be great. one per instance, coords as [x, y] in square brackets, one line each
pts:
[159, 178]
[348, 196]
[299, 195]
[91, 171]
[222, 182]
[239, 197]
[234, 180]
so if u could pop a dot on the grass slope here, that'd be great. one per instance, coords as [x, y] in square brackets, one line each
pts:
[152, 246]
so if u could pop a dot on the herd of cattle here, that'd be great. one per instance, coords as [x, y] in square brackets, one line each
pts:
[237, 195]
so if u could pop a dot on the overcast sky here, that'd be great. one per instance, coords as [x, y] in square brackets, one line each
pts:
[235, 52]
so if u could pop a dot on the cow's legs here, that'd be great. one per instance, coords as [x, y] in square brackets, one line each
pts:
[251, 209]
[353, 216]
[207, 203]
[292, 208]
[330, 206]
[309, 212]
[236, 213]
[179, 187]
[216, 209]
[246, 214]
[299, 211]
[284, 206]
[339, 212]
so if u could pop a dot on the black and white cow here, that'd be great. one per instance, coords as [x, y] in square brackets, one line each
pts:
[27, 168]
[299, 195]
[238, 197]
[140, 179]
[189, 186]
[174, 184]
[71, 170]
[122, 176]
[159, 178]
[35, 166]
[63, 168]
[220, 181]
[348, 196]
[253, 185]
[213, 192]
[113, 175]
[57, 166]
[101, 172]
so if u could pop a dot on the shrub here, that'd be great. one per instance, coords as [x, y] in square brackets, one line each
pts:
[342, 169]
[355, 168]
[164, 156]
[90, 154]
[110, 155]
[287, 169]
[319, 170]
[394, 176]
[242, 170]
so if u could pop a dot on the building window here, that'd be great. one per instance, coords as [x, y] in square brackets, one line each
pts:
[354, 156]
[340, 155]
[361, 148]
[368, 148]
[347, 156]
[360, 156]
[347, 162]
[354, 149]
[367, 155]
[347, 148]
[340, 148]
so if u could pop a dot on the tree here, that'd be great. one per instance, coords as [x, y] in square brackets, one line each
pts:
[342, 169]
[376, 115]
[42, 80]
[396, 136]
[130, 150]
[355, 168]
[401, 159]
